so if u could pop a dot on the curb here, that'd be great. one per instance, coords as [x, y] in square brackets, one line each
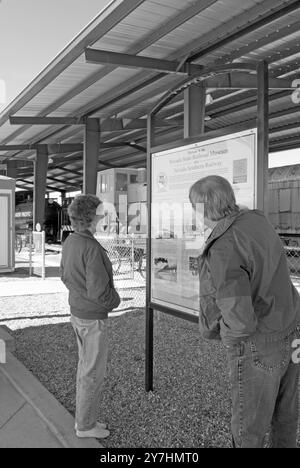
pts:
[7, 338]
[52, 413]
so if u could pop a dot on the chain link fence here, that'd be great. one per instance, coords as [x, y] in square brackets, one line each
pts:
[30, 253]
[128, 258]
[284, 211]
[293, 260]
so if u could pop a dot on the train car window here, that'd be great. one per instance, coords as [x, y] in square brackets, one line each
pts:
[273, 200]
[103, 183]
[121, 182]
[133, 178]
[296, 200]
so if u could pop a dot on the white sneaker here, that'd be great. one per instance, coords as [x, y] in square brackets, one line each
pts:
[97, 433]
[98, 424]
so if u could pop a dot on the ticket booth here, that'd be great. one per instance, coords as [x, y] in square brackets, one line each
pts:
[7, 232]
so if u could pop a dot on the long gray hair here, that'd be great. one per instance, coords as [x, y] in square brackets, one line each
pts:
[216, 194]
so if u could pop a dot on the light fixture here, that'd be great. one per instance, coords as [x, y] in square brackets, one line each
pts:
[209, 99]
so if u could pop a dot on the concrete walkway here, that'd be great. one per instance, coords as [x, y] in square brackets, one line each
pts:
[30, 417]
[30, 286]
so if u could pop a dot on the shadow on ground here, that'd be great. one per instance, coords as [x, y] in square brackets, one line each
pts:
[190, 405]
[23, 272]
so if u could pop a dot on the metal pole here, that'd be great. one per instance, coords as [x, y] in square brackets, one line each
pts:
[149, 349]
[40, 181]
[262, 135]
[149, 310]
[30, 253]
[91, 155]
[132, 257]
[194, 110]
[43, 256]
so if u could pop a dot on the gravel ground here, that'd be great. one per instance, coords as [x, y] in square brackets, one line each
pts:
[190, 405]
[33, 310]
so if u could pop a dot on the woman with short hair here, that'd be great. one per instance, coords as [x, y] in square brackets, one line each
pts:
[87, 273]
[248, 301]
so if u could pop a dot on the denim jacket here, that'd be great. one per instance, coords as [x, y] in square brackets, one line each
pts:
[245, 286]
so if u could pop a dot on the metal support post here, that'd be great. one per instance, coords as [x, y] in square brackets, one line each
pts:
[91, 155]
[194, 110]
[262, 136]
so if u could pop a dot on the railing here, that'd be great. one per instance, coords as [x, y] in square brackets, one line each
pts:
[293, 260]
[128, 258]
[30, 252]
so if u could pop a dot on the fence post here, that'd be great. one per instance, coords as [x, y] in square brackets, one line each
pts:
[43, 256]
[132, 256]
[30, 252]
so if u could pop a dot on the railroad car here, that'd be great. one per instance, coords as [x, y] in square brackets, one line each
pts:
[24, 216]
[284, 202]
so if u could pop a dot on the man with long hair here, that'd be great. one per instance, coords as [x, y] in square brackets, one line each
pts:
[248, 301]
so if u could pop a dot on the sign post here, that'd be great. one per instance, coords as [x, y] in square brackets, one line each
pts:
[175, 237]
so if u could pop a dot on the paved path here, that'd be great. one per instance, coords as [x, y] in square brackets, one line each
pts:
[28, 286]
[30, 417]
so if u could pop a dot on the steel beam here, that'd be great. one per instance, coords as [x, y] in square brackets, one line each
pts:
[68, 171]
[243, 80]
[23, 120]
[123, 124]
[12, 169]
[55, 148]
[91, 155]
[39, 191]
[262, 136]
[58, 148]
[50, 187]
[194, 110]
[100, 57]
[63, 182]
[285, 145]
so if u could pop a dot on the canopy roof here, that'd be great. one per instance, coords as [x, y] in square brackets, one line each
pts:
[135, 51]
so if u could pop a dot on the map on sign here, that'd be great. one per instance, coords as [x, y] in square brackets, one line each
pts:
[177, 233]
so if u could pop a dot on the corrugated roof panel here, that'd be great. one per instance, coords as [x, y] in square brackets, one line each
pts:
[286, 133]
[75, 133]
[106, 103]
[205, 22]
[66, 81]
[255, 35]
[100, 88]
[30, 133]
[107, 90]
[146, 18]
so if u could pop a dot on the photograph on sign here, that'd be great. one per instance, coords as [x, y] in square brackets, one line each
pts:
[178, 233]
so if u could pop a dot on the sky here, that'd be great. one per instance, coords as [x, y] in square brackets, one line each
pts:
[33, 32]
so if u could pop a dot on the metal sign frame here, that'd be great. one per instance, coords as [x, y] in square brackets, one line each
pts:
[193, 133]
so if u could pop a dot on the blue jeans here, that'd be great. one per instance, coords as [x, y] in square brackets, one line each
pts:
[264, 381]
[92, 351]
